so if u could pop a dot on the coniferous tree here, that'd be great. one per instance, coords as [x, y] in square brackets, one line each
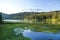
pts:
[0, 17]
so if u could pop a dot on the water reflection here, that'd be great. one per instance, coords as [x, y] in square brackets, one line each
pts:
[40, 35]
[21, 30]
[18, 31]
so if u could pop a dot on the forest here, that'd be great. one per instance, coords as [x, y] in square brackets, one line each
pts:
[52, 17]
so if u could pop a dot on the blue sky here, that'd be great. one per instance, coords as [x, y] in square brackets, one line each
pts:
[14, 6]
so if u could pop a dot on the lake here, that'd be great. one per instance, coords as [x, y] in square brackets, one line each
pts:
[39, 35]
[11, 20]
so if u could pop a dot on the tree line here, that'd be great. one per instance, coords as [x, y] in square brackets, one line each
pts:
[52, 17]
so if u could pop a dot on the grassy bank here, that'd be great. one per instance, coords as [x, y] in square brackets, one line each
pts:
[7, 33]
[37, 27]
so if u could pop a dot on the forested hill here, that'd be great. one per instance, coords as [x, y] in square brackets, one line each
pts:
[22, 15]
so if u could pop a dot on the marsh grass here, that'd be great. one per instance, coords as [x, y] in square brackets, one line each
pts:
[7, 30]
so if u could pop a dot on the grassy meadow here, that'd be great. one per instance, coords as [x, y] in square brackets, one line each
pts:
[7, 30]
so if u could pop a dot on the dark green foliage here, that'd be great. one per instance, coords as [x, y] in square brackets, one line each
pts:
[0, 17]
[51, 17]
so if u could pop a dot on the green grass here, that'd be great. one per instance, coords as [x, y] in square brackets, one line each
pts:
[37, 27]
[7, 33]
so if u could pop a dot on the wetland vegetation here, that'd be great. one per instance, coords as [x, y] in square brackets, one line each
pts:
[37, 22]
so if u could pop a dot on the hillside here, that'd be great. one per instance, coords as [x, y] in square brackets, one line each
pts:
[52, 17]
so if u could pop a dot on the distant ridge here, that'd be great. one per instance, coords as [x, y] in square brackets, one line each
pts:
[21, 15]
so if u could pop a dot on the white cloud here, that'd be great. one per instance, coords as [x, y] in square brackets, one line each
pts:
[7, 8]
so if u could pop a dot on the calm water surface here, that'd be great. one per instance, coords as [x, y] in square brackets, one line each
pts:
[38, 35]
[9, 20]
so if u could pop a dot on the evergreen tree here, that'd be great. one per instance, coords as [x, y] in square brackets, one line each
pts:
[0, 17]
